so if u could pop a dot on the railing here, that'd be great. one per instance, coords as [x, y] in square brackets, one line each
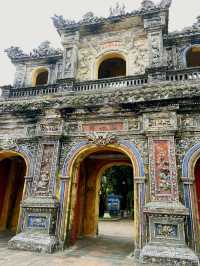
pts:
[70, 85]
[111, 83]
[65, 85]
[183, 74]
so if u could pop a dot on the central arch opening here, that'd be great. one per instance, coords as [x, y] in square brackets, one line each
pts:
[12, 172]
[40, 76]
[105, 217]
[112, 67]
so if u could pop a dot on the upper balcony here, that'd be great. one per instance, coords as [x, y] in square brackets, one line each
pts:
[65, 86]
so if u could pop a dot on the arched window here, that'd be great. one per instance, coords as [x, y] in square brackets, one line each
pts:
[114, 66]
[193, 57]
[40, 77]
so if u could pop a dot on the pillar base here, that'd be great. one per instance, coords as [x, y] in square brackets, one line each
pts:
[168, 255]
[34, 242]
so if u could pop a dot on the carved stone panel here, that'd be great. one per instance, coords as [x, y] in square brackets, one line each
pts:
[45, 169]
[163, 171]
[160, 121]
[156, 50]
[191, 122]
[103, 126]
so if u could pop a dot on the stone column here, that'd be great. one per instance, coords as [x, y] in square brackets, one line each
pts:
[164, 212]
[139, 200]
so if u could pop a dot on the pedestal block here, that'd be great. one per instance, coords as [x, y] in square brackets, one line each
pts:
[167, 235]
[39, 226]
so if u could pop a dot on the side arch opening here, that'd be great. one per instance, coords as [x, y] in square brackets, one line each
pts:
[13, 169]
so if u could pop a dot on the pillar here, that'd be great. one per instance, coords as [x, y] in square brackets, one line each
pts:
[40, 205]
[165, 214]
[139, 222]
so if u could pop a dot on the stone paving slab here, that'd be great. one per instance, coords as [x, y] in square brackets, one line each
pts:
[112, 248]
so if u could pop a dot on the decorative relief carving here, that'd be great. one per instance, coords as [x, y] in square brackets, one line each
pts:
[163, 169]
[133, 124]
[37, 222]
[156, 48]
[8, 143]
[166, 230]
[101, 139]
[68, 61]
[45, 169]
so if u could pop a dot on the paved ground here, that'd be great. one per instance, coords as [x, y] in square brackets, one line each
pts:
[113, 247]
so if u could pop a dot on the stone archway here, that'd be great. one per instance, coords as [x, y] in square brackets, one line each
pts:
[70, 186]
[13, 169]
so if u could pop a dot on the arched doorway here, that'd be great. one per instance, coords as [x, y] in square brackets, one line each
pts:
[86, 201]
[193, 56]
[71, 225]
[12, 171]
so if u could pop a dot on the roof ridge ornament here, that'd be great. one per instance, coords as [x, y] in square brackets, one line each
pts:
[147, 4]
[196, 25]
[117, 10]
[15, 52]
[60, 22]
[43, 50]
[165, 3]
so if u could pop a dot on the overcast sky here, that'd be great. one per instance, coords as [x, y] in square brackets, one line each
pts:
[26, 23]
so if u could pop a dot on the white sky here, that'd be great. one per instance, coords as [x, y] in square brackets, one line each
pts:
[26, 23]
